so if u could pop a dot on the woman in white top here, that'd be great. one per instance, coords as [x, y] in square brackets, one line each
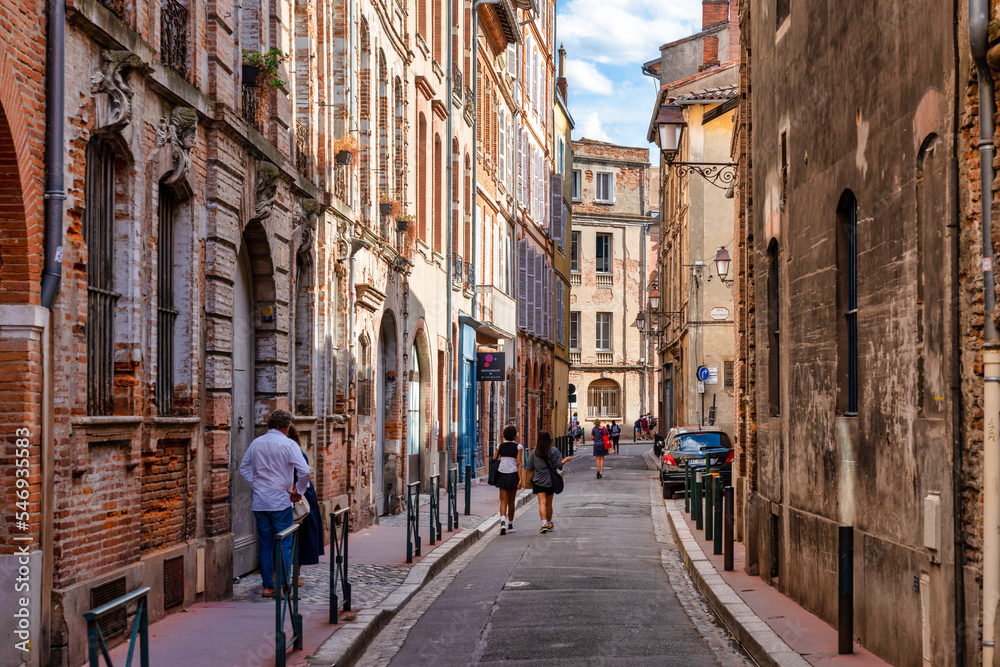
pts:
[508, 476]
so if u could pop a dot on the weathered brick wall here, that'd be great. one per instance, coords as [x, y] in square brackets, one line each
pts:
[167, 495]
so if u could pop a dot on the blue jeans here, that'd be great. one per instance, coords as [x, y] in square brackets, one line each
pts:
[270, 524]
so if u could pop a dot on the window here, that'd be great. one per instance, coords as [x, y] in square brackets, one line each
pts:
[560, 312]
[413, 413]
[847, 304]
[166, 313]
[574, 330]
[502, 146]
[99, 222]
[603, 331]
[603, 399]
[727, 375]
[577, 184]
[574, 252]
[773, 330]
[784, 170]
[364, 378]
[560, 155]
[603, 262]
[605, 187]
[781, 11]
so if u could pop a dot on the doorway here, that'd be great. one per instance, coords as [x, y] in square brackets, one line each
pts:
[242, 425]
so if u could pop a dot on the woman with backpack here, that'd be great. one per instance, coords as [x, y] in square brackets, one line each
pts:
[600, 448]
[545, 461]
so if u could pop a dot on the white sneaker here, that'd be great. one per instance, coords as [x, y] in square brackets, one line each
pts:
[510, 527]
[503, 526]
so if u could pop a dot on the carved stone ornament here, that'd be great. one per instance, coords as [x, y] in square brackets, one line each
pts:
[306, 212]
[177, 132]
[111, 78]
[266, 192]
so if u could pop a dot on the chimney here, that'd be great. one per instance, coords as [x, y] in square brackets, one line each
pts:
[734, 32]
[561, 81]
[710, 56]
[714, 12]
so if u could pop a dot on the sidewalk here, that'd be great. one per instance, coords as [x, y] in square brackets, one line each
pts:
[770, 627]
[240, 632]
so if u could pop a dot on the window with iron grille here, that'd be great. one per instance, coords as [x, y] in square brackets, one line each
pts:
[603, 255]
[574, 330]
[603, 400]
[174, 36]
[727, 375]
[166, 313]
[605, 187]
[99, 220]
[603, 341]
[112, 624]
[574, 252]
[847, 304]
[364, 379]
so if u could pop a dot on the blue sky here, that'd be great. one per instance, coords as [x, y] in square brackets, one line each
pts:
[606, 44]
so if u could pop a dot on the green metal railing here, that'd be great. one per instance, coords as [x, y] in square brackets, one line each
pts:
[286, 599]
[452, 499]
[412, 521]
[97, 645]
[435, 508]
[338, 563]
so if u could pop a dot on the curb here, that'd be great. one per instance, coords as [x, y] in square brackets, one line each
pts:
[754, 636]
[347, 644]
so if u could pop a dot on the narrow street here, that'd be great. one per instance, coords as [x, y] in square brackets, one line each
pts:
[605, 587]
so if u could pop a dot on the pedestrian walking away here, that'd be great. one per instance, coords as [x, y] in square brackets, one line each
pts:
[269, 466]
[311, 532]
[545, 462]
[508, 476]
[600, 447]
[616, 432]
[579, 433]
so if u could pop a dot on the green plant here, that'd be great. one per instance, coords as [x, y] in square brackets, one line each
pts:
[267, 63]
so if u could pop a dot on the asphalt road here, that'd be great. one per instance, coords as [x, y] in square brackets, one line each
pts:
[593, 591]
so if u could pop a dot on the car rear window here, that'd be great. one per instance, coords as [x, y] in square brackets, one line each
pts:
[695, 442]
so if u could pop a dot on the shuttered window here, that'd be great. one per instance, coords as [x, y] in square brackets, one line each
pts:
[560, 313]
[538, 331]
[558, 222]
[502, 145]
[99, 221]
[522, 284]
[530, 291]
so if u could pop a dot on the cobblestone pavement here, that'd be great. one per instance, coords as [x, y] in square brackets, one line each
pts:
[370, 584]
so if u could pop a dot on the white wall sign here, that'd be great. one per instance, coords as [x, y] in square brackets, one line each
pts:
[720, 313]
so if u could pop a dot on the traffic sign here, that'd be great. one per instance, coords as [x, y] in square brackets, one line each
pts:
[703, 373]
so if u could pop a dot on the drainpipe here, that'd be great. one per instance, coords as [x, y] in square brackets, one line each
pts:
[956, 369]
[979, 43]
[450, 260]
[55, 194]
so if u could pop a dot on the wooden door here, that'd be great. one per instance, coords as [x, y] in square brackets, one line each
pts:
[242, 428]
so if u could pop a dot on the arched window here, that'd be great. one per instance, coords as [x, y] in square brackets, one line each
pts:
[604, 400]
[847, 304]
[422, 177]
[102, 299]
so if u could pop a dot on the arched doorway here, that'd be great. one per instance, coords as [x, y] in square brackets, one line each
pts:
[242, 425]
[385, 380]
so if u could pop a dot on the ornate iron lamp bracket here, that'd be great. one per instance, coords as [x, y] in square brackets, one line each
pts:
[720, 174]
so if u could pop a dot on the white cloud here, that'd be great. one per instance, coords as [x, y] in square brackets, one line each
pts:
[625, 31]
[591, 128]
[585, 77]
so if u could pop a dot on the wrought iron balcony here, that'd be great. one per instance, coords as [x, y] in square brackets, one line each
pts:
[251, 104]
[470, 269]
[496, 310]
[456, 81]
[457, 272]
[174, 36]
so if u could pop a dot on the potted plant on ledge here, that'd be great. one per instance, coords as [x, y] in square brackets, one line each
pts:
[403, 221]
[256, 63]
[345, 148]
[386, 204]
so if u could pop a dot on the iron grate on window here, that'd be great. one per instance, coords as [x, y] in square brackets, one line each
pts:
[173, 582]
[114, 623]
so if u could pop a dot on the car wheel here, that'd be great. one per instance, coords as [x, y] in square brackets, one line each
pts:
[668, 493]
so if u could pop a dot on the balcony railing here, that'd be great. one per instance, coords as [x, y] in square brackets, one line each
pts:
[604, 279]
[574, 356]
[574, 278]
[457, 269]
[470, 277]
[301, 150]
[456, 81]
[174, 36]
[605, 357]
[251, 104]
[496, 309]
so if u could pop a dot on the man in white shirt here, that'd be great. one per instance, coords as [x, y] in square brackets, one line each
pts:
[268, 466]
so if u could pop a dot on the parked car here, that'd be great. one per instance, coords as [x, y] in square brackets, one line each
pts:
[699, 448]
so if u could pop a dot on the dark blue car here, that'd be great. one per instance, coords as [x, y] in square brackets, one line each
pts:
[699, 448]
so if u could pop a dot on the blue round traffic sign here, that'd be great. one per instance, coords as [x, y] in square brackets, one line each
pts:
[703, 373]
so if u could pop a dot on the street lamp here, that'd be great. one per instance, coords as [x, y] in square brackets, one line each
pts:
[670, 125]
[722, 262]
[640, 321]
[654, 300]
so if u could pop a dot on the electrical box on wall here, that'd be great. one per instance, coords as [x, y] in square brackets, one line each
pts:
[932, 525]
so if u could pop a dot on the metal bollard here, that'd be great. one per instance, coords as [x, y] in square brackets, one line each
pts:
[845, 591]
[696, 506]
[709, 509]
[687, 486]
[717, 533]
[468, 490]
[727, 533]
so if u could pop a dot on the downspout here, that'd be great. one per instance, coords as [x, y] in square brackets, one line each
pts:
[55, 194]
[956, 372]
[979, 43]
[450, 261]
[643, 300]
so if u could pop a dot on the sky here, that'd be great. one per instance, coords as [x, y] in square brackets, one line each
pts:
[606, 43]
